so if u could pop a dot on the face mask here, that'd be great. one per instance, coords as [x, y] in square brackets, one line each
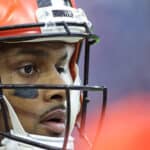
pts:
[18, 130]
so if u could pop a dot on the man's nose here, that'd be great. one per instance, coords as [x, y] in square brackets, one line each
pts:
[54, 94]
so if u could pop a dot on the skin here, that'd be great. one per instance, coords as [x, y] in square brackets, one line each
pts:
[35, 63]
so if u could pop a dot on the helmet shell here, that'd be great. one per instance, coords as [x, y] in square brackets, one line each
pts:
[42, 20]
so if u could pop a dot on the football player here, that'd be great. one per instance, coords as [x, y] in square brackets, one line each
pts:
[40, 98]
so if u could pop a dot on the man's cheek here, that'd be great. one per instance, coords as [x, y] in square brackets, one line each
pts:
[26, 93]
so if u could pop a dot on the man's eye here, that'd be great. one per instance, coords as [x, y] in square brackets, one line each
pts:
[28, 69]
[60, 69]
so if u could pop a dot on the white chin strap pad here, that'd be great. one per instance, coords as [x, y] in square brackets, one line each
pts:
[75, 101]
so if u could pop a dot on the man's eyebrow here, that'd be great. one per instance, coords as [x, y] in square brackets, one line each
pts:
[35, 52]
[38, 52]
[64, 57]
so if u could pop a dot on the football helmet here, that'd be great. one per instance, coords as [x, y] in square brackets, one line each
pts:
[48, 20]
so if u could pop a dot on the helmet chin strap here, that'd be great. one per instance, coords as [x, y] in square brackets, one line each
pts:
[55, 142]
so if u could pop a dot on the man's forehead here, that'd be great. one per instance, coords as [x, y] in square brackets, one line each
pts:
[54, 44]
[24, 48]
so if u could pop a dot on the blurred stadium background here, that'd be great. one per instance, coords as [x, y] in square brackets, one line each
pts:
[121, 60]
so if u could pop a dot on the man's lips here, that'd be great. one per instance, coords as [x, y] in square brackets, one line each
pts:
[54, 121]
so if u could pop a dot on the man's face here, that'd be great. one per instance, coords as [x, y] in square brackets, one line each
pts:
[40, 111]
